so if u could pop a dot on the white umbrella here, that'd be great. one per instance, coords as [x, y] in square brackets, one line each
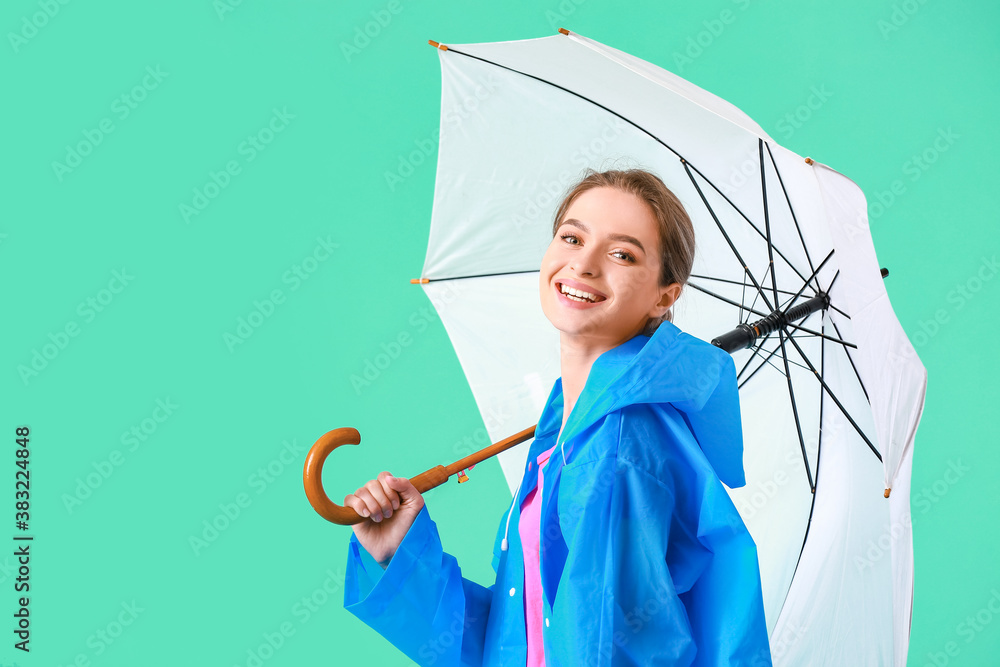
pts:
[830, 404]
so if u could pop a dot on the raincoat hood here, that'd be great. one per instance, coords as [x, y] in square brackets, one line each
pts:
[671, 367]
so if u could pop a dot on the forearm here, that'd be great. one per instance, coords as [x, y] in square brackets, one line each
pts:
[418, 599]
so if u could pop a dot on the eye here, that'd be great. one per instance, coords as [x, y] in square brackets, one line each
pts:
[624, 255]
[570, 238]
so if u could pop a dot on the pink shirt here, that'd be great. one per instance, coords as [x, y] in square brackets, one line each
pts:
[528, 528]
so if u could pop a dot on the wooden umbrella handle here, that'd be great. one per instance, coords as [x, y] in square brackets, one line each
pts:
[312, 472]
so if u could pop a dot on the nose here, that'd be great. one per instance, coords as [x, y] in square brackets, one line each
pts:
[586, 262]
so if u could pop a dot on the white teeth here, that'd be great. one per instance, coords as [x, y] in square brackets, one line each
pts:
[577, 295]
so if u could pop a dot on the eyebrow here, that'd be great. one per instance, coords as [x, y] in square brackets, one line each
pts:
[614, 237]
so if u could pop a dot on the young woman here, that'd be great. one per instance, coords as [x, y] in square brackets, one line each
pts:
[625, 547]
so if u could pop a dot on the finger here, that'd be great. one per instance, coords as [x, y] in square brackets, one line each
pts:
[390, 492]
[372, 505]
[383, 504]
[355, 503]
[403, 487]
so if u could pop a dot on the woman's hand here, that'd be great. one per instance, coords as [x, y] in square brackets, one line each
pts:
[390, 504]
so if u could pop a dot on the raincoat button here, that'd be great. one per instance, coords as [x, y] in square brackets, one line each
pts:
[512, 592]
[546, 622]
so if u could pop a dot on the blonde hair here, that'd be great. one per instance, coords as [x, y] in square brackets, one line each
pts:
[676, 232]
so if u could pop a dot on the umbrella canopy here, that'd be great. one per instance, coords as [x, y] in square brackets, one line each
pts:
[830, 404]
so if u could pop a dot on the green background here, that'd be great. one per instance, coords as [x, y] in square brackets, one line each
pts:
[894, 76]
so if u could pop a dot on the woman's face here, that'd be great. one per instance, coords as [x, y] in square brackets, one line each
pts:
[607, 251]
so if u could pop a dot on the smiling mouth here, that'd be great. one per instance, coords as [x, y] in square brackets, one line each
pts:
[579, 295]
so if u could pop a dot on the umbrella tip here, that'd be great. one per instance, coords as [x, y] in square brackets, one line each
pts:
[437, 45]
[419, 281]
[809, 160]
[884, 271]
[564, 31]
[887, 492]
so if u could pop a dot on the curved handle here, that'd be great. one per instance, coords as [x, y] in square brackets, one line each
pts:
[312, 476]
[312, 472]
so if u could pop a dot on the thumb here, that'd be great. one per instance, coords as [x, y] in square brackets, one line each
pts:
[403, 486]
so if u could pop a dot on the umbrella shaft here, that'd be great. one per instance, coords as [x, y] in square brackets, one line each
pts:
[745, 335]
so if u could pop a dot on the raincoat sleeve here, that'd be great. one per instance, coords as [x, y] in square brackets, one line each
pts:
[420, 602]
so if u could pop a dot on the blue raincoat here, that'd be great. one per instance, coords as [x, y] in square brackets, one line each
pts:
[644, 558]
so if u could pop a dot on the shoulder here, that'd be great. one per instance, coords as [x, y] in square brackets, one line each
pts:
[657, 439]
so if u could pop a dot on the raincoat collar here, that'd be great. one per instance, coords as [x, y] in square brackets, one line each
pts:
[670, 366]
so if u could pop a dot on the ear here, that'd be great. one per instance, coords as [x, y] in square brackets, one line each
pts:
[668, 295]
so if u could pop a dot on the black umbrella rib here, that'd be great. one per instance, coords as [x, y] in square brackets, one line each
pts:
[652, 136]
[851, 359]
[835, 276]
[819, 452]
[766, 362]
[575, 94]
[840, 405]
[788, 304]
[821, 335]
[805, 283]
[764, 236]
[482, 275]
[733, 282]
[767, 224]
[792, 211]
[750, 360]
[795, 409]
[749, 222]
[732, 246]
[722, 298]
